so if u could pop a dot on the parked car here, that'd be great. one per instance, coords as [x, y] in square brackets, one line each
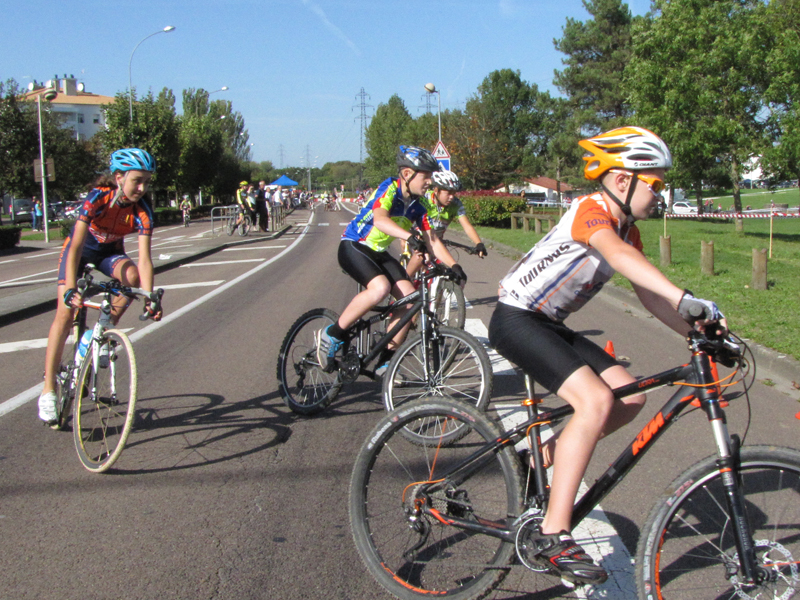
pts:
[684, 208]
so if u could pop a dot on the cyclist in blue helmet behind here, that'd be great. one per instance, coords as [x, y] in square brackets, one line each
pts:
[114, 208]
[390, 212]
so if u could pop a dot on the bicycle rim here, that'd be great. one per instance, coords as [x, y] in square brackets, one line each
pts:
[450, 305]
[305, 388]
[457, 367]
[688, 542]
[105, 403]
[409, 552]
[244, 227]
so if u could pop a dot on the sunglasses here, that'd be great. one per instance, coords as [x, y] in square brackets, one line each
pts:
[654, 184]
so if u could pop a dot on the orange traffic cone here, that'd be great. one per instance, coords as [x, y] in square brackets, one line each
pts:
[797, 416]
[610, 349]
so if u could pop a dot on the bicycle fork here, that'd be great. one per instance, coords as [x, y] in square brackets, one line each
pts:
[729, 463]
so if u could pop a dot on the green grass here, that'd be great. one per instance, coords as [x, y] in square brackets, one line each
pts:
[759, 198]
[770, 317]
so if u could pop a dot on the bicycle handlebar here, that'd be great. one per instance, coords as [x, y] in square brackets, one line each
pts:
[722, 348]
[89, 288]
[468, 249]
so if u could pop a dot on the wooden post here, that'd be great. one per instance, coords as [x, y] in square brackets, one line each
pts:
[513, 221]
[551, 222]
[537, 226]
[665, 245]
[759, 269]
[739, 225]
[707, 258]
[526, 224]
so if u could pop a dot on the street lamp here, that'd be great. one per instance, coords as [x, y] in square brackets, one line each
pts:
[49, 94]
[431, 89]
[166, 29]
[224, 88]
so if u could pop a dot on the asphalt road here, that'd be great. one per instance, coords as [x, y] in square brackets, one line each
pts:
[223, 493]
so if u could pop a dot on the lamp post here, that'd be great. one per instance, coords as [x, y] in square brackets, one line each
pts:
[166, 29]
[49, 94]
[224, 88]
[431, 89]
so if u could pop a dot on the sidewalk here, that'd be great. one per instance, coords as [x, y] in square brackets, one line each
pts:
[24, 301]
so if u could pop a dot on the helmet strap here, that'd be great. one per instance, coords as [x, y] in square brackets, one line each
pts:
[411, 195]
[624, 206]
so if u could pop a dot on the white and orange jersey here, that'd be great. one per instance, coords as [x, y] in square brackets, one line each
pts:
[563, 272]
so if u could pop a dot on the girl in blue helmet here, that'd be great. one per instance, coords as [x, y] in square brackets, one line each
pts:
[114, 208]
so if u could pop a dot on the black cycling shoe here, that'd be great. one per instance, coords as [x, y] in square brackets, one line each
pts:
[561, 554]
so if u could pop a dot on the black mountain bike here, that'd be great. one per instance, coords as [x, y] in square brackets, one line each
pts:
[447, 518]
[436, 361]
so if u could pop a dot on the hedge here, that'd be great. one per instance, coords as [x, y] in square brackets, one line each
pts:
[10, 236]
[492, 210]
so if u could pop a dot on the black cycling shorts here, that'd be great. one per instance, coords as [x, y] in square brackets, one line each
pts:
[365, 264]
[546, 350]
[104, 259]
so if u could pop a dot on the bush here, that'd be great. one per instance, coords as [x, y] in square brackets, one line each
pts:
[492, 210]
[10, 236]
[66, 227]
[167, 215]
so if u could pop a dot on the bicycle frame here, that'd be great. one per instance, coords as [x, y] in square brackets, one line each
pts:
[699, 384]
[419, 300]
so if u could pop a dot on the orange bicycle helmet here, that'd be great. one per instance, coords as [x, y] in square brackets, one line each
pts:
[631, 148]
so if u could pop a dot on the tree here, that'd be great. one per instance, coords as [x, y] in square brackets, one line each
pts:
[76, 162]
[597, 51]
[693, 79]
[490, 138]
[155, 128]
[387, 130]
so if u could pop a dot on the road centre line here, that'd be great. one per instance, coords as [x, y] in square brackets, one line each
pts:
[33, 392]
[322, 224]
[252, 248]
[181, 286]
[29, 282]
[222, 262]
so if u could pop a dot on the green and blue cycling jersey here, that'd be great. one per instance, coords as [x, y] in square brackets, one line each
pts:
[440, 217]
[406, 212]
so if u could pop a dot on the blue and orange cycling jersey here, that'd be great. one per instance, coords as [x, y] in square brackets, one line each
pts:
[405, 212]
[109, 224]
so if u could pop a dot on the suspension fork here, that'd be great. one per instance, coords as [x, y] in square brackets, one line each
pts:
[729, 464]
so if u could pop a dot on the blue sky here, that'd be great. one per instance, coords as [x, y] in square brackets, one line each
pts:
[293, 67]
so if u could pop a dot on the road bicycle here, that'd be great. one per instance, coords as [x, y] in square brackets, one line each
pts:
[446, 518]
[448, 302]
[240, 221]
[98, 386]
[186, 218]
[437, 360]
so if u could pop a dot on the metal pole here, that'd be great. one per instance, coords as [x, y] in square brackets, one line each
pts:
[166, 29]
[439, 111]
[43, 173]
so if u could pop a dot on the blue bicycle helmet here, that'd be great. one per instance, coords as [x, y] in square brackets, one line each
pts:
[132, 159]
[416, 158]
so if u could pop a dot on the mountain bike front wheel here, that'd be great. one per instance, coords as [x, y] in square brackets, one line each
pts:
[452, 363]
[408, 551]
[105, 402]
[305, 388]
[245, 225]
[449, 304]
[687, 549]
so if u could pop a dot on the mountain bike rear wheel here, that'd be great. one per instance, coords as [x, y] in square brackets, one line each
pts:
[687, 548]
[105, 402]
[305, 388]
[410, 553]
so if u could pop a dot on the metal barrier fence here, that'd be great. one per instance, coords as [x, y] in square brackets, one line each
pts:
[221, 215]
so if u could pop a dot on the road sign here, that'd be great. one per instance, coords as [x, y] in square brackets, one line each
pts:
[440, 151]
[50, 170]
[444, 163]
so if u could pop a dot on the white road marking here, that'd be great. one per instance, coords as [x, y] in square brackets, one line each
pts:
[222, 262]
[344, 224]
[28, 276]
[44, 254]
[33, 392]
[2, 262]
[322, 224]
[29, 282]
[34, 344]
[252, 248]
[182, 286]
[500, 366]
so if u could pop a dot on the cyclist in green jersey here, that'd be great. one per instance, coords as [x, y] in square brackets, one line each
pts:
[443, 208]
